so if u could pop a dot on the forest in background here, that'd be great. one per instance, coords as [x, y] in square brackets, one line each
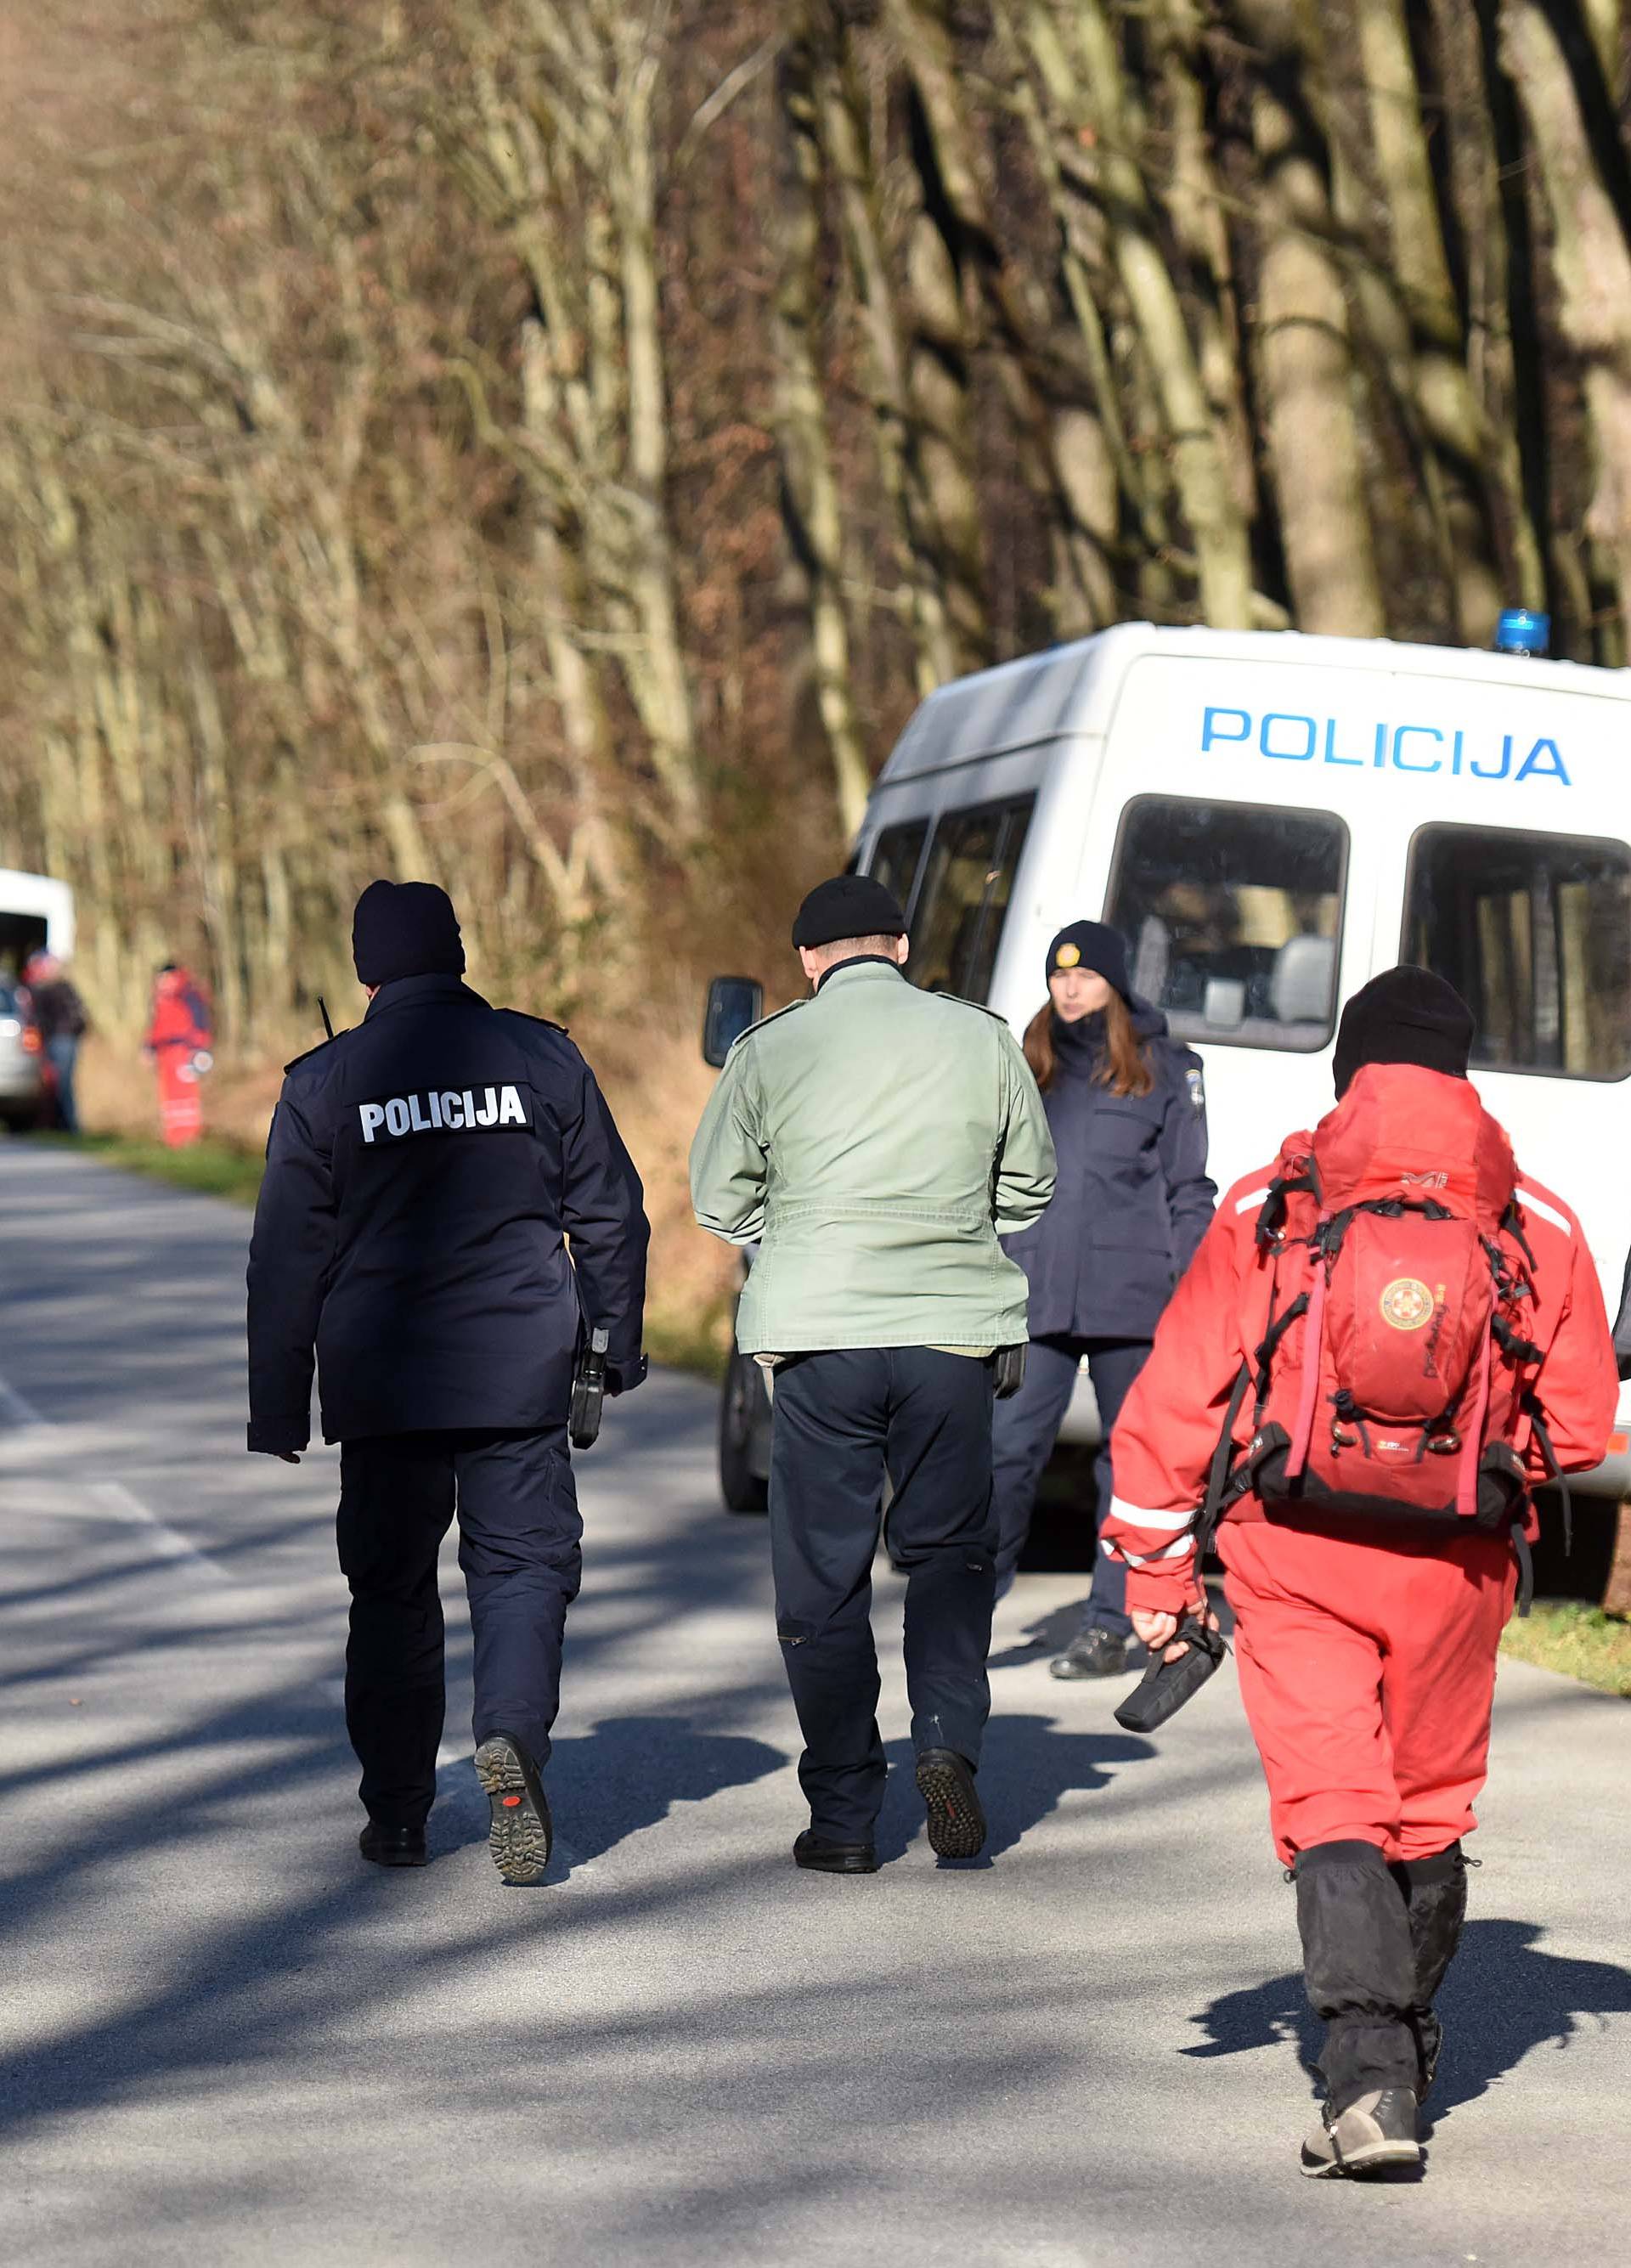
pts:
[548, 446]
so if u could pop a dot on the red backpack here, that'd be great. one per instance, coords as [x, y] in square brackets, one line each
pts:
[1402, 1397]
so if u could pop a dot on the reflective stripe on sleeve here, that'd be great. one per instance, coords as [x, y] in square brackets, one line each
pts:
[1249, 1202]
[1137, 1515]
[1184, 1544]
[1528, 1198]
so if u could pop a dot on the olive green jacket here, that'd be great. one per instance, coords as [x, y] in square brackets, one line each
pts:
[875, 1141]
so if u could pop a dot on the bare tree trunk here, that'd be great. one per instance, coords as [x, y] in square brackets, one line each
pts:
[1480, 191]
[1592, 263]
[1304, 350]
[810, 505]
[903, 462]
[1452, 426]
[1047, 410]
[1078, 60]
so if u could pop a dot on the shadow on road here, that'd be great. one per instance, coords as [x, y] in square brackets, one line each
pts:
[627, 1774]
[1503, 1997]
[1028, 1768]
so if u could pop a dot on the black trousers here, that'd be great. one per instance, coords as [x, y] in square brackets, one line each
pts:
[841, 1421]
[519, 1537]
[1027, 1427]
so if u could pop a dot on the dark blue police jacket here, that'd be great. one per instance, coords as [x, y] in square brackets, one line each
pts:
[423, 1174]
[1132, 1200]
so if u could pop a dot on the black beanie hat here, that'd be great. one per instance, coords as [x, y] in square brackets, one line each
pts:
[405, 928]
[1404, 1016]
[1095, 946]
[850, 905]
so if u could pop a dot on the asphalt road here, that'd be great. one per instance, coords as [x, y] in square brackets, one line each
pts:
[226, 2040]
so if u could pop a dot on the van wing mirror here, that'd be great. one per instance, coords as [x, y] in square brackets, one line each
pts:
[735, 1004]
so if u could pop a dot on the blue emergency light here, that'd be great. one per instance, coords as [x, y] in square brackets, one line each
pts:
[1522, 630]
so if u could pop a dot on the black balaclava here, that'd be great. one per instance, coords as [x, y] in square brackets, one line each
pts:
[1404, 1016]
[405, 928]
[1095, 946]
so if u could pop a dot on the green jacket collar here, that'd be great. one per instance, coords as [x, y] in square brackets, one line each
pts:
[867, 968]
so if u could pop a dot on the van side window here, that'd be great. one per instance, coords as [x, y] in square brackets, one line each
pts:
[962, 900]
[1534, 931]
[895, 857]
[1234, 914]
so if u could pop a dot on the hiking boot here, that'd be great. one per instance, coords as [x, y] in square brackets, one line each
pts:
[520, 1835]
[1377, 2132]
[957, 1823]
[1092, 1653]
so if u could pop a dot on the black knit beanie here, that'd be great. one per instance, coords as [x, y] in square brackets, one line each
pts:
[1095, 946]
[1404, 1016]
[405, 928]
[850, 905]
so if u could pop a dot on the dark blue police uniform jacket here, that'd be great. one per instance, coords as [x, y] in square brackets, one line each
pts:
[1132, 1200]
[423, 1174]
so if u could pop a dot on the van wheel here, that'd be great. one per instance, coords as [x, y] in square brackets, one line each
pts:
[742, 1405]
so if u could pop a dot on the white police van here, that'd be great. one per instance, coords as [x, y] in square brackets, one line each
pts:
[1270, 819]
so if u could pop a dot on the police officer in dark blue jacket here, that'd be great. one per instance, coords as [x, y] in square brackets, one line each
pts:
[423, 1175]
[1125, 1106]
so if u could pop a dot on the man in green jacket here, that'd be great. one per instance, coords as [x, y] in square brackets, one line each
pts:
[875, 1142]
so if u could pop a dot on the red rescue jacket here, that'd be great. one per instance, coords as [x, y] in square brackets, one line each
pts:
[1420, 1121]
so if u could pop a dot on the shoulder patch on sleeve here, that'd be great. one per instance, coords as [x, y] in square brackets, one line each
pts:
[1196, 1084]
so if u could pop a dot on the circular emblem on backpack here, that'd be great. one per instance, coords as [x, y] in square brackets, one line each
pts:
[1406, 1303]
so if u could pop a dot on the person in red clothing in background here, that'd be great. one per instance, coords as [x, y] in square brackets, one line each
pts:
[179, 1036]
[1367, 1627]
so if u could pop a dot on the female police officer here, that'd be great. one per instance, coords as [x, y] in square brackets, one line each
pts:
[1129, 1122]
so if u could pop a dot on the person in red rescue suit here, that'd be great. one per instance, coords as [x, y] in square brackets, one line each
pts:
[1366, 1649]
[178, 1043]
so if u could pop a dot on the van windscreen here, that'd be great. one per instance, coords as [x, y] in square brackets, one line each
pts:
[1233, 913]
[1534, 931]
[962, 900]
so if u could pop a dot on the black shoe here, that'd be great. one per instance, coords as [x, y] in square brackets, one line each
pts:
[394, 1846]
[957, 1824]
[1377, 2132]
[520, 1835]
[1094, 1653]
[822, 1858]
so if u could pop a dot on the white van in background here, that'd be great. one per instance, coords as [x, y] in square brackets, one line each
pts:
[1270, 819]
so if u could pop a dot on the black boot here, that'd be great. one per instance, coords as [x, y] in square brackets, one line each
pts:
[1360, 1970]
[1435, 1902]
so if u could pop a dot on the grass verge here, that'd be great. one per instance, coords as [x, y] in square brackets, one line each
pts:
[215, 1168]
[1580, 1641]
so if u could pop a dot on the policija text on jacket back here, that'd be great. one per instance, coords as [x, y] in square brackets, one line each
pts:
[875, 1141]
[423, 1173]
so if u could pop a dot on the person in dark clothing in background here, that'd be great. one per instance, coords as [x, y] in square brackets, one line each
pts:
[423, 1173]
[59, 1019]
[1128, 1117]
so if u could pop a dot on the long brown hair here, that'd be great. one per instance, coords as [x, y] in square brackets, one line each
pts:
[1126, 1068]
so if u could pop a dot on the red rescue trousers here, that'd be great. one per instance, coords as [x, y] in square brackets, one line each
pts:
[1367, 1673]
